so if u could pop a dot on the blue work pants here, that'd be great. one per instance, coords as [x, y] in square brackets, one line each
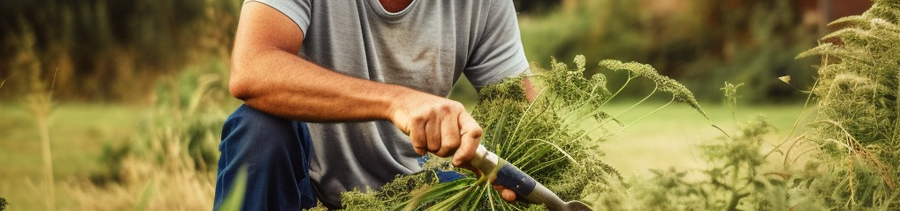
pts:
[276, 153]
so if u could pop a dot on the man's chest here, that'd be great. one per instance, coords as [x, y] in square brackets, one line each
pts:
[420, 48]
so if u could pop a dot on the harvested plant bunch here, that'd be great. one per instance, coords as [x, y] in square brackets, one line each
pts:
[545, 138]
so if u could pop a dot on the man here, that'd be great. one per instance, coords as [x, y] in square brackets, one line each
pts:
[364, 74]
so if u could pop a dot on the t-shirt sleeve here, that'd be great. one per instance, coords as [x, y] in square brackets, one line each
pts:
[297, 10]
[498, 53]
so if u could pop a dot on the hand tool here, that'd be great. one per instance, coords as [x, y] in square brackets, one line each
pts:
[523, 185]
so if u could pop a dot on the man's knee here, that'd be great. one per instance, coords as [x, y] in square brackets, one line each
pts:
[258, 131]
[275, 150]
[249, 122]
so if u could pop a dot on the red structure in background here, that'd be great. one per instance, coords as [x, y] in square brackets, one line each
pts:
[819, 13]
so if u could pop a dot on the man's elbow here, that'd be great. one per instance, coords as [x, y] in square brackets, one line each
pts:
[239, 83]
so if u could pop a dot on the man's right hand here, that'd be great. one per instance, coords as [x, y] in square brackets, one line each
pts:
[437, 125]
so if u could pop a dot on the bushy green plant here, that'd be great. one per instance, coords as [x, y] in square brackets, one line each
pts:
[171, 160]
[735, 179]
[545, 138]
[739, 175]
[188, 116]
[3, 203]
[858, 125]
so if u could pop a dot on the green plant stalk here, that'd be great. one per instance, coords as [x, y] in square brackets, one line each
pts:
[235, 198]
[566, 127]
[534, 155]
[527, 110]
[40, 103]
[602, 124]
[586, 102]
[44, 130]
[655, 87]
[628, 80]
[796, 122]
[650, 113]
[145, 197]
[897, 114]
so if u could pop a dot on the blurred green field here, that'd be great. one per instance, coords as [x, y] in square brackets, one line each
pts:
[669, 138]
[79, 131]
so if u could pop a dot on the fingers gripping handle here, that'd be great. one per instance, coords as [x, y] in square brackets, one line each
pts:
[511, 177]
[525, 187]
[507, 176]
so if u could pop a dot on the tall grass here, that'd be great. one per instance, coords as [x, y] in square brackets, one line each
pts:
[38, 99]
[170, 163]
[40, 107]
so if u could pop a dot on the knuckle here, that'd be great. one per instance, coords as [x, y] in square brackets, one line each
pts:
[418, 120]
[418, 142]
[446, 107]
[458, 105]
[416, 138]
[476, 133]
[450, 144]
[434, 145]
[441, 153]
[431, 139]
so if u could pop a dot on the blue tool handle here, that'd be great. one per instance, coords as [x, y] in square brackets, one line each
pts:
[516, 180]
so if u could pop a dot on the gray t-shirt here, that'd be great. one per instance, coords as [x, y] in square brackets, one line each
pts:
[427, 46]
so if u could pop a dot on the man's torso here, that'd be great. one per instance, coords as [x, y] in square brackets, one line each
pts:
[426, 46]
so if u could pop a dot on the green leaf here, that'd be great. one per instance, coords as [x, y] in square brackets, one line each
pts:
[235, 198]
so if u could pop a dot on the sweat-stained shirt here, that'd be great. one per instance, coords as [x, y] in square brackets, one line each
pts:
[426, 47]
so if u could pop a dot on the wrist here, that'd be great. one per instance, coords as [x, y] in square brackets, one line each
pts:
[395, 102]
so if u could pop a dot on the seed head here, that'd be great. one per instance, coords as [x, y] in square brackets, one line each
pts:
[665, 84]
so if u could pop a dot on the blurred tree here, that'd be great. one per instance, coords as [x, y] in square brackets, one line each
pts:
[535, 6]
[108, 49]
[694, 41]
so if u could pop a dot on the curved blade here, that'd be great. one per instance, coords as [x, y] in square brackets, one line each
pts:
[576, 206]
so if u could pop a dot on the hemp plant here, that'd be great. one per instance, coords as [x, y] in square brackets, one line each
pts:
[554, 138]
[858, 120]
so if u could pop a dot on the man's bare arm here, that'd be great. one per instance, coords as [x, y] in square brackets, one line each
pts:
[267, 75]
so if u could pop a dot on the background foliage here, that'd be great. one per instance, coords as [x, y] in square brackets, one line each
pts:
[104, 50]
[742, 41]
[107, 50]
[162, 67]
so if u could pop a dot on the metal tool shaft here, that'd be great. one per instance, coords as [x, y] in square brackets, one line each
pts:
[516, 180]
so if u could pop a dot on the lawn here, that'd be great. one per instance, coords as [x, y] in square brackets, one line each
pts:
[79, 131]
[77, 134]
[668, 138]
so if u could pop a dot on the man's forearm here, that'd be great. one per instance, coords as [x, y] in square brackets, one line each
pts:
[285, 85]
[267, 75]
